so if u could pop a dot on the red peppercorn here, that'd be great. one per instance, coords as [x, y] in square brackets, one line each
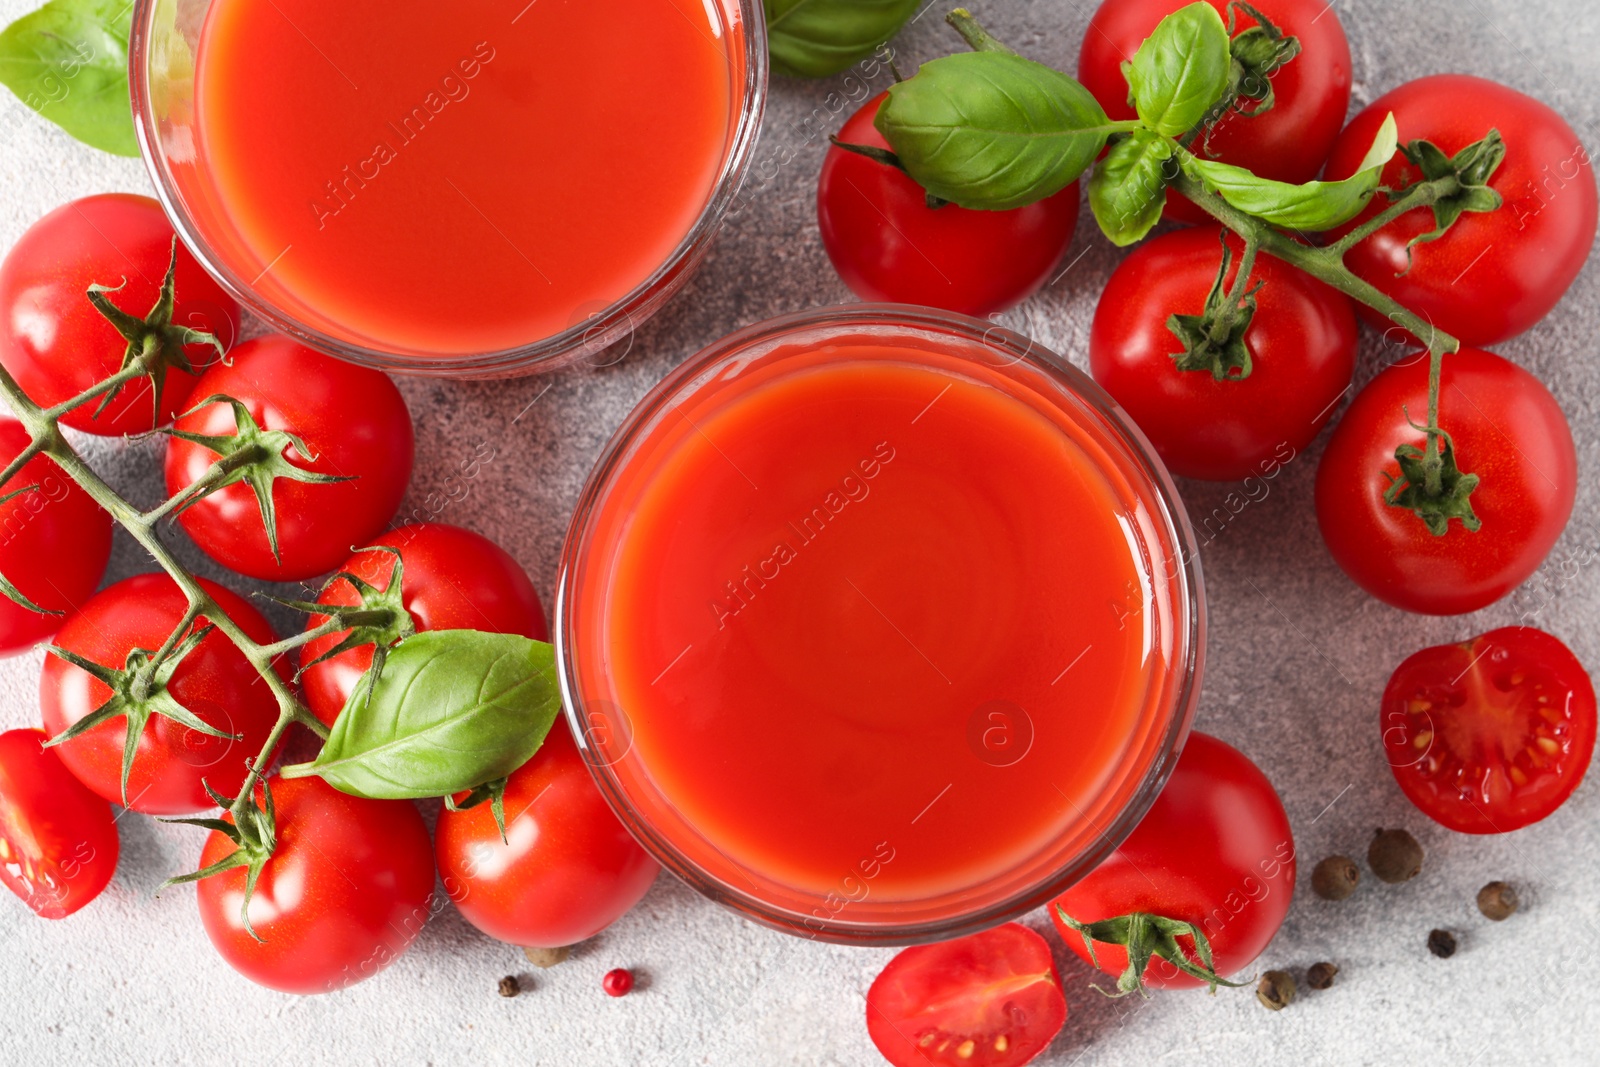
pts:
[618, 983]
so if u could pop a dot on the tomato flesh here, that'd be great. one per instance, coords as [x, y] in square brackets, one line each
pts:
[58, 841]
[1491, 734]
[988, 1000]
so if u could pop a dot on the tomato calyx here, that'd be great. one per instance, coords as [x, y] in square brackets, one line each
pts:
[1461, 181]
[1431, 484]
[888, 159]
[254, 833]
[1214, 340]
[139, 690]
[494, 792]
[250, 455]
[155, 343]
[378, 617]
[1256, 54]
[1145, 935]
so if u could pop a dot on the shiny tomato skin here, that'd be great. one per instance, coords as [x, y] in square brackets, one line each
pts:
[352, 419]
[1215, 850]
[1288, 143]
[54, 544]
[214, 681]
[990, 999]
[1494, 274]
[58, 841]
[1302, 343]
[453, 579]
[887, 244]
[567, 869]
[348, 888]
[57, 345]
[1507, 429]
[1491, 734]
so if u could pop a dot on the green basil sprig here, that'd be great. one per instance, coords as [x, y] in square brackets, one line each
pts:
[451, 710]
[817, 38]
[1129, 190]
[1312, 206]
[68, 61]
[1180, 70]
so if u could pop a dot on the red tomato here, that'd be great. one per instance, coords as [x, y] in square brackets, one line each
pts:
[1215, 850]
[1302, 343]
[1491, 734]
[567, 869]
[1496, 273]
[887, 244]
[214, 681]
[58, 841]
[453, 579]
[988, 1000]
[1507, 429]
[355, 424]
[346, 891]
[54, 544]
[57, 345]
[1311, 92]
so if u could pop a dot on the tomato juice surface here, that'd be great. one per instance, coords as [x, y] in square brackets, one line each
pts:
[868, 627]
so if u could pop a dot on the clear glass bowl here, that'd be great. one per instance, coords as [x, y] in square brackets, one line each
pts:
[1147, 504]
[165, 34]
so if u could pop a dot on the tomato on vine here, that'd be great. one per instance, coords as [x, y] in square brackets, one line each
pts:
[57, 344]
[1508, 254]
[147, 731]
[1491, 734]
[58, 841]
[1233, 407]
[315, 455]
[1512, 472]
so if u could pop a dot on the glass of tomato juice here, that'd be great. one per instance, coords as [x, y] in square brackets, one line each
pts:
[879, 624]
[474, 189]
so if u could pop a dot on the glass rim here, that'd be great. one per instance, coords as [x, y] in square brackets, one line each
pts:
[1189, 612]
[548, 353]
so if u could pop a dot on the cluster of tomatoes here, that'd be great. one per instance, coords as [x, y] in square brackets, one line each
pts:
[350, 881]
[1484, 736]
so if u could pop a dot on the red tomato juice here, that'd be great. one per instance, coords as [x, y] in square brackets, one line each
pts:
[455, 178]
[880, 621]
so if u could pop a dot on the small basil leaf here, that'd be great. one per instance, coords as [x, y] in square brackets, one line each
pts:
[1129, 188]
[1180, 70]
[816, 38]
[451, 710]
[992, 130]
[68, 61]
[1312, 206]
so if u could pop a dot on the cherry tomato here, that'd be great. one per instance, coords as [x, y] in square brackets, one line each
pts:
[348, 888]
[567, 868]
[58, 841]
[888, 244]
[1496, 273]
[453, 579]
[214, 681]
[1507, 429]
[57, 345]
[1491, 734]
[1215, 850]
[355, 425]
[988, 1000]
[1302, 343]
[54, 544]
[1311, 92]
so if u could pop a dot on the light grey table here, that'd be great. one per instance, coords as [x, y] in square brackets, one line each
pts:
[1297, 660]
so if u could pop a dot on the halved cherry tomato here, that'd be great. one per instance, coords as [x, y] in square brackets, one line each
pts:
[988, 1000]
[58, 841]
[1490, 734]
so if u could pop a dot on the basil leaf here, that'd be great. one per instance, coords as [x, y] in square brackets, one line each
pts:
[451, 710]
[1180, 70]
[992, 130]
[1312, 206]
[1129, 188]
[816, 38]
[68, 61]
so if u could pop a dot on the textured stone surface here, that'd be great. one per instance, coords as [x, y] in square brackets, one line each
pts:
[1298, 657]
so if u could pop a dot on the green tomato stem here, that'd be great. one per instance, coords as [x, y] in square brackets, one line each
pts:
[971, 31]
